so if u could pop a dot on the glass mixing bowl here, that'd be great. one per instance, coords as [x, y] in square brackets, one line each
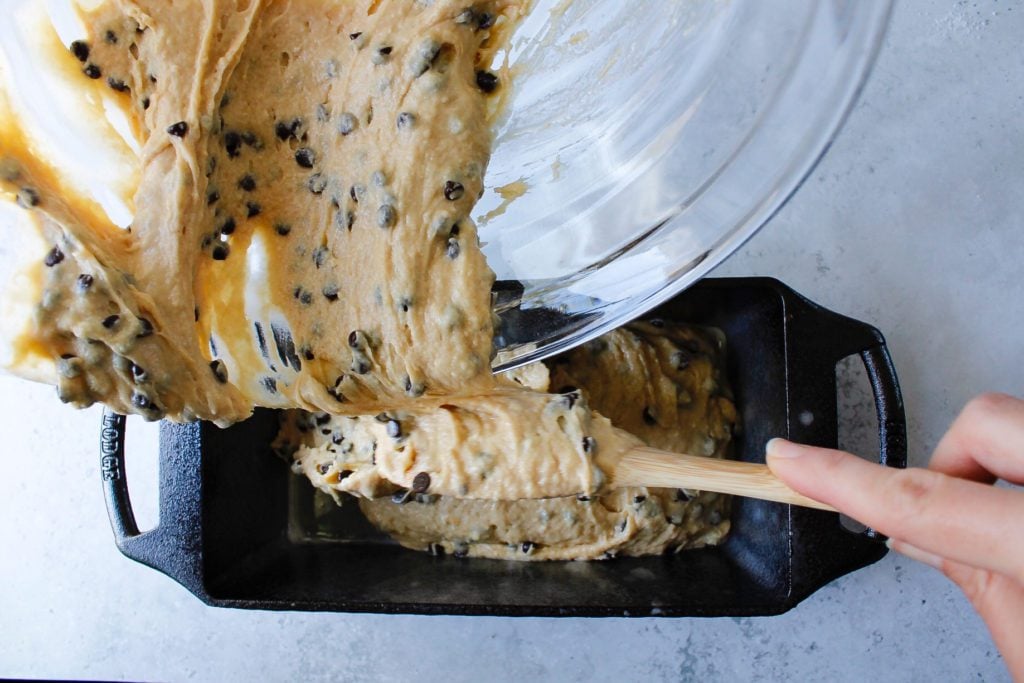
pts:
[642, 142]
[646, 140]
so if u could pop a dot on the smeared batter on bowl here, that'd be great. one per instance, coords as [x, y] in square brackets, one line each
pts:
[301, 234]
[664, 382]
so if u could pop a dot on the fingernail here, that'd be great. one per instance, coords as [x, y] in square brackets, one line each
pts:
[915, 553]
[780, 448]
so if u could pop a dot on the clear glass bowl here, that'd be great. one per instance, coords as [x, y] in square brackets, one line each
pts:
[646, 140]
[642, 142]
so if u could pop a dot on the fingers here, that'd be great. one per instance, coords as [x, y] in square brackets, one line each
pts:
[960, 520]
[998, 599]
[985, 441]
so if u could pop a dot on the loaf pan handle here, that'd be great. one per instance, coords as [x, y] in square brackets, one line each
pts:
[818, 340]
[115, 486]
[173, 546]
[892, 421]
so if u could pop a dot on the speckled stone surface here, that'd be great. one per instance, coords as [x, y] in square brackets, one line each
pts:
[913, 222]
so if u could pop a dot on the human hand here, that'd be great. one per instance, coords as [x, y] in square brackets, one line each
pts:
[948, 515]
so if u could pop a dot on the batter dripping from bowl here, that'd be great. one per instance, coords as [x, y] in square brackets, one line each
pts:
[301, 239]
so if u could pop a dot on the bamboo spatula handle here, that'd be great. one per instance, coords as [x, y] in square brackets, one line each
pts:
[643, 466]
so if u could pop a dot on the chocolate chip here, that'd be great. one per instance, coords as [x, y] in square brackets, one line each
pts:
[138, 373]
[582, 498]
[323, 468]
[110, 37]
[305, 157]
[331, 292]
[220, 371]
[141, 401]
[484, 20]
[386, 216]
[316, 183]
[111, 321]
[307, 353]
[220, 252]
[360, 366]
[453, 248]
[251, 140]
[405, 120]
[117, 84]
[287, 129]
[569, 397]
[528, 547]
[283, 229]
[319, 256]
[270, 384]
[27, 198]
[247, 183]
[84, 282]
[344, 474]
[345, 220]
[649, 417]
[680, 359]
[211, 197]
[145, 329]
[53, 257]
[92, 71]
[80, 49]
[589, 444]
[420, 483]
[453, 190]
[145, 102]
[252, 209]
[261, 340]
[353, 36]
[486, 81]
[228, 226]
[347, 123]
[306, 298]
[637, 500]
[178, 130]
[232, 144]
[381, 55]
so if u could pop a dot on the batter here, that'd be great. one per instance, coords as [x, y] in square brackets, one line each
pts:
[662, 381]
[301, 233]
[301, 239]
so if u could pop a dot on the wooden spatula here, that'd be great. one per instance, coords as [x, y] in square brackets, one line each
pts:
[642, 466]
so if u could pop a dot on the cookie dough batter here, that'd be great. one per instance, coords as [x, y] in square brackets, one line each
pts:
[301, 234]
[460, 482]
[301, 239]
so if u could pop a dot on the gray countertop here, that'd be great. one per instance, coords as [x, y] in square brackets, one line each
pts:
[912, 222]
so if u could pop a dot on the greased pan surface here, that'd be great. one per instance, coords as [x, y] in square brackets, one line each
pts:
[235, 525]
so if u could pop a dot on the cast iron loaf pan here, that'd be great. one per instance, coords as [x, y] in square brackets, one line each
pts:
[235, 524]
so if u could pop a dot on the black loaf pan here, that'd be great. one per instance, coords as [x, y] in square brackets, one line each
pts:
[228, 529]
